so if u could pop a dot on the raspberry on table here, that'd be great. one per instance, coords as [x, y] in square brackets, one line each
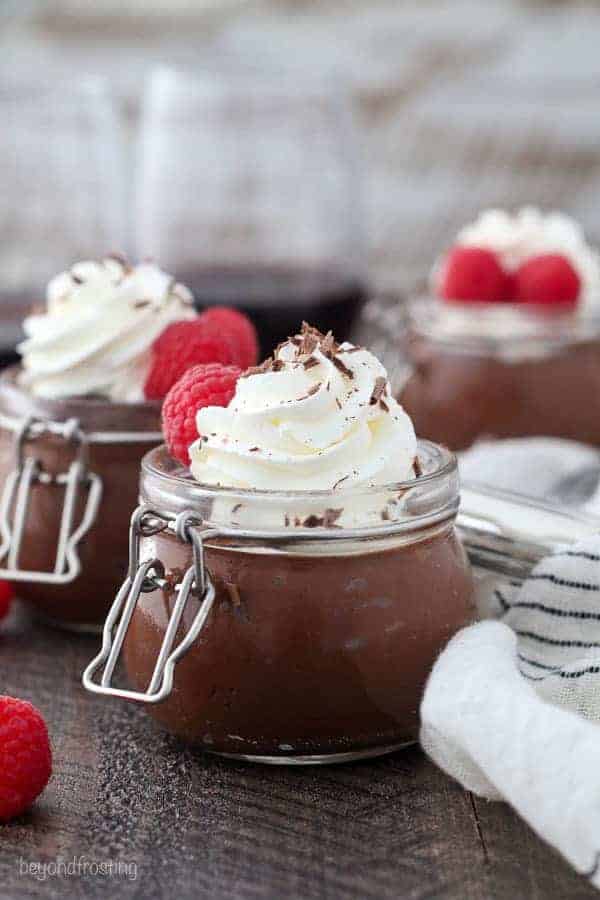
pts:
[205, 385]
[227, 320]
[548, 279]
[474, 274]
[25, 756]
[181, 346]
[7, 594]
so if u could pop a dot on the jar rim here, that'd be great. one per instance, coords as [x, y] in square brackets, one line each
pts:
[446, 466]
[102, 420]
[168, 489]
[493, 327]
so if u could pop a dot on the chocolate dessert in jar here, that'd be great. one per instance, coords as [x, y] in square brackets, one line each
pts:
[76, 417]
[289, 592]
[509, 344]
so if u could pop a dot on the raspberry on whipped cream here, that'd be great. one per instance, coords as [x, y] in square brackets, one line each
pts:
[318, 416]
[96, 334]
[516, 239]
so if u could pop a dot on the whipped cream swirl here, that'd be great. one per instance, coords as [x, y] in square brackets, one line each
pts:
[530, 232]
[319, 416]
[98, 328]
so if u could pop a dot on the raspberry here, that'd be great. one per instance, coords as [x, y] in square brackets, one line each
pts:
[205, 385]
[25, 756]
[548, 279]
[231, 321]
[475, 274]
[6, 597]
[181, 346]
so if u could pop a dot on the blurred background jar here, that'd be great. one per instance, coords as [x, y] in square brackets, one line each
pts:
[247, 190]
[484, 371]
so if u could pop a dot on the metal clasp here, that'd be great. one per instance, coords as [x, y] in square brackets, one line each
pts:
[16, 495]
[143, 577]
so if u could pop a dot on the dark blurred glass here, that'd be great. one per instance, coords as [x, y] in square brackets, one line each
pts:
[248, 190]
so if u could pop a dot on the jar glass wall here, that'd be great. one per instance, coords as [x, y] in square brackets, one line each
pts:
[330, 609]
[502, 371]
[108, 440]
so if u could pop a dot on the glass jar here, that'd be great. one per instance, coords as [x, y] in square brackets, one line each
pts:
[68, 483]
[317, 621]
[240, 144]
[501, 370]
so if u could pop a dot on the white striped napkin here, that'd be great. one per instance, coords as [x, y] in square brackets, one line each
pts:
[512, 707]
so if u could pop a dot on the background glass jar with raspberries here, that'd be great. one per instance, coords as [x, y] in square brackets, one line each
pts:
[507, 344]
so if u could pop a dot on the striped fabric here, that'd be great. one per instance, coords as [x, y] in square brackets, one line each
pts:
[512, 707]
[556, 617]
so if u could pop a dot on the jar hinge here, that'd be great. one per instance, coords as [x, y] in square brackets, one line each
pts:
[143, 577]
[16, 496]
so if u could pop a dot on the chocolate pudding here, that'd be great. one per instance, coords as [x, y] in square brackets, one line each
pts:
[74, 424]
[307, 654]
[510, 346]
[277, 298]
[321, 637]
[310, 551]
[466, 386]
[118, 436]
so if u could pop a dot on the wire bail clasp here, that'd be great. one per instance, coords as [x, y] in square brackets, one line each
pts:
[144, 577]
[16, 496]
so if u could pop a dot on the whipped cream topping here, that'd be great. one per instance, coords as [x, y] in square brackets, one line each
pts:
[530, 232]
[98, 328]
[319, 416]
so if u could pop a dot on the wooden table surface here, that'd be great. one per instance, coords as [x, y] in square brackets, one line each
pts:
[493, 104]
[190, 825]
[196, 826]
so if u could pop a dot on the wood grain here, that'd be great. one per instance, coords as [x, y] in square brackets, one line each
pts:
[196, 826]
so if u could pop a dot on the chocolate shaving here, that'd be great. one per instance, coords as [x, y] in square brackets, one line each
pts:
[310, 342]
[120, 258]
[378, 389]
[329, 345]
[314, 389]
[77, 279]
[385, 515]
[337, 400]
[313, 521]
[342, 367]
[417, 468]
[339, 481]
[236, 508]
[253, 449]
[141, 304]
[286, 520]
[310, 362]
[234, 593]
[265, 366]
[384, 406]
[331, 516]
[278, 365]
[327, 520]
